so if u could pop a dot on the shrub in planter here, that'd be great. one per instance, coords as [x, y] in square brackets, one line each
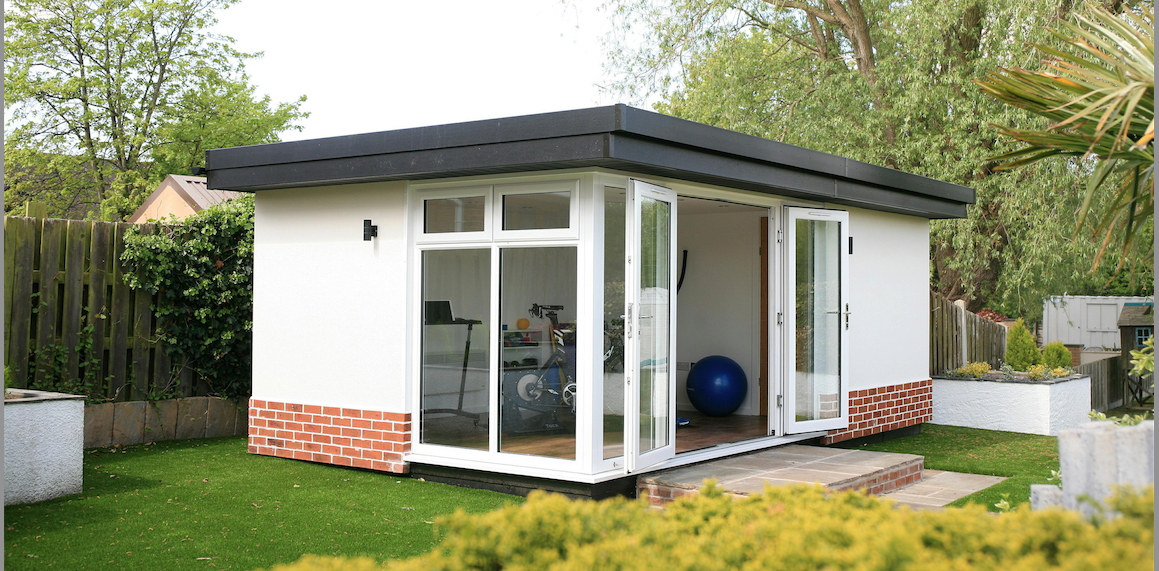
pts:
[972, 370]
[788, 527]
[1056, 355]
[1021, 350]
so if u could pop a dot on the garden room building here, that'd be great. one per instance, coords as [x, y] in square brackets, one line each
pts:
[522, 301]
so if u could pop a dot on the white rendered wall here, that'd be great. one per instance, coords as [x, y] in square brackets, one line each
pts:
[43, 447]
[1032, 408]
[889, 292]
[718, 311]
[330, 308]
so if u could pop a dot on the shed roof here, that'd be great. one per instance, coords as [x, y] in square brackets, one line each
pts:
[614, 137]
[1137, 315]
[194, 190]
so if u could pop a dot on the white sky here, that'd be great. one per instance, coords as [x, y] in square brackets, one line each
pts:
[372, 66]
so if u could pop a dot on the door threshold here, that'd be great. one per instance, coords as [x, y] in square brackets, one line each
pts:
[722, 450]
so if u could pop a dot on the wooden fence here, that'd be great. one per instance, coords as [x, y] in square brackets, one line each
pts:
[1108, 382]
[60, 278]
[958, 337]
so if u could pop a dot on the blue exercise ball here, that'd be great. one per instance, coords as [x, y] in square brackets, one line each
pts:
[717, 385]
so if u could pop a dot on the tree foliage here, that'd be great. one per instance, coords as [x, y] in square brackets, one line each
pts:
[202, 269]
[106, 97]
[798, 71]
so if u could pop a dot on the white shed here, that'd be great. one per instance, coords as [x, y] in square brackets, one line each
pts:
[1087, 320]
[510, 299]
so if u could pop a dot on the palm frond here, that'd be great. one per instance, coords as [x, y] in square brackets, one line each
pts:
[1098, 92]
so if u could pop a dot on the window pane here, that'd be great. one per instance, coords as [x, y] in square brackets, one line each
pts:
[615, 223]
[654, 335]
[536, 211]
[455, 345]
[818, 316]
[442, 215]
[537, 308]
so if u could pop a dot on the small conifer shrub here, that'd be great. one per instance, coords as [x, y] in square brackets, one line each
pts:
[1056, 355]
[1021, 350]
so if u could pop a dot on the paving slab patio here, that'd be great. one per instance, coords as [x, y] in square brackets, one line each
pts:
[938, 488]
[834, 468]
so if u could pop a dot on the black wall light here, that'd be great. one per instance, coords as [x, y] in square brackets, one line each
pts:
[368, 230]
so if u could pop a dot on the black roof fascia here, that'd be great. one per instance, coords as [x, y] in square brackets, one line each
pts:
[616, 137]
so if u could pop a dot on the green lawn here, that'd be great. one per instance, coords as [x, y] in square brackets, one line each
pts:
[207, 504]
[1024, 459]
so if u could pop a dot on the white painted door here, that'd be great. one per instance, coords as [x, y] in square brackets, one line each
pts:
[650, 326]
[817, 320]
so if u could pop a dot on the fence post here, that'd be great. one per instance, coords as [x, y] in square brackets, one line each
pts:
[963, 345]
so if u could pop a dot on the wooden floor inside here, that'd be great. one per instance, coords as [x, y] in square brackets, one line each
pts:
[706, 431]
[702, 432]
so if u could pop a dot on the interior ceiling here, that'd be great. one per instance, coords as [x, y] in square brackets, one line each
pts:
[690, 205]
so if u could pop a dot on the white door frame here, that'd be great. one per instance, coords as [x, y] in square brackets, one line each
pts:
[840, 316]
[634, 459]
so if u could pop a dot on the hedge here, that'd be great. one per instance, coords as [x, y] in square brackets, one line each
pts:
[785, 528]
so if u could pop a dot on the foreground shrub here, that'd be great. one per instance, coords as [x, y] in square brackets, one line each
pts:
[1021, 350]
[792, 527]
[1055, 355]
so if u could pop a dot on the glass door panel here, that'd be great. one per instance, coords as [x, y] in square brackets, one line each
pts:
[819, 319]
[651, 405]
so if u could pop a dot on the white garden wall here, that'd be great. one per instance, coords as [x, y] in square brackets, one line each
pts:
[43, 446]
[1014, 406]
[330, 308]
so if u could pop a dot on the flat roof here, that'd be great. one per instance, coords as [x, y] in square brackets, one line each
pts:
[615, 137]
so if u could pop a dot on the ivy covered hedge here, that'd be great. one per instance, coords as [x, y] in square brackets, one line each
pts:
[786, 528]
[202, 269]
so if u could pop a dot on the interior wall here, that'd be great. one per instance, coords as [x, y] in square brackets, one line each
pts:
[718, 307]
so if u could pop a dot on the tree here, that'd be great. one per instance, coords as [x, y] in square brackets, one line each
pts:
[108, 95]
[1099, 96]
[889, 83]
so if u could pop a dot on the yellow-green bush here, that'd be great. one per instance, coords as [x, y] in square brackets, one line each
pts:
[786, 528]
[1055, 355]
[1021, 350]
[972, 370]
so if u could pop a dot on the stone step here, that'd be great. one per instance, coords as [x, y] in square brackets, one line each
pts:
[835, 468]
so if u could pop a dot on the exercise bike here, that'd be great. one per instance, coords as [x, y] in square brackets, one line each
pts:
[532, 398]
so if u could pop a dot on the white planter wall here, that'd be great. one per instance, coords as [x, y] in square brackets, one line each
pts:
[1045, 407]
[43, 446]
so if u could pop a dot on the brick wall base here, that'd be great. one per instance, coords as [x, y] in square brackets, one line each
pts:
[882, 409]
[369, 439]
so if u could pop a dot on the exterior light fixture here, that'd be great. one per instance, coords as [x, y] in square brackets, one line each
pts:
[368, 230]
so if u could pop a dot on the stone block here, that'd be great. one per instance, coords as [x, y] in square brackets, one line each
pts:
[191, 413]
[221, 414]
[129, 422]
[1135, 446]
[161, 420]
[1043, 496]
[99, 425]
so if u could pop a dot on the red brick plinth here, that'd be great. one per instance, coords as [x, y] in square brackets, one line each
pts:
[370, 439]
[882, 409]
